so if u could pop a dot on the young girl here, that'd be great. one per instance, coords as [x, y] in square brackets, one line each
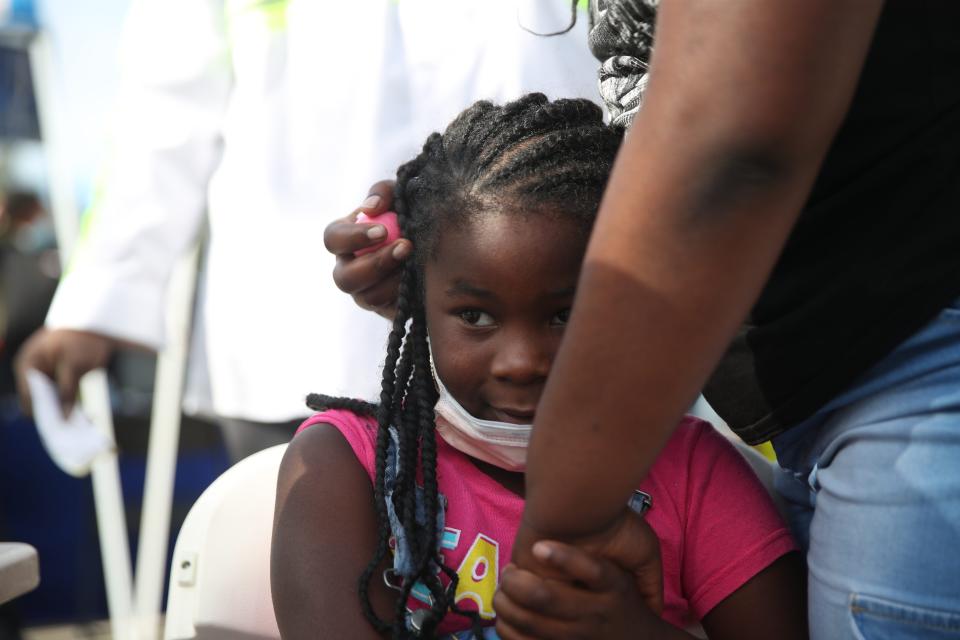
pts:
[399, 517]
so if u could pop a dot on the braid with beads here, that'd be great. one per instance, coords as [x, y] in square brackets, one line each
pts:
[533, 156]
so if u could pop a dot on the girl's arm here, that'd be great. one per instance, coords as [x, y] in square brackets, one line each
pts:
[772, 604]
[324, 534]
[744, 99]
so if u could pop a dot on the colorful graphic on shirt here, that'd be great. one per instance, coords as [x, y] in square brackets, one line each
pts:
[450, 539]
[478, 573]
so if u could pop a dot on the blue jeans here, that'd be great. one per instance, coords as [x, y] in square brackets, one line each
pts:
[872, 483]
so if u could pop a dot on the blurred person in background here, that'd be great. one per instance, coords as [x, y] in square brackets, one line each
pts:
[265, 118]
[29, 268]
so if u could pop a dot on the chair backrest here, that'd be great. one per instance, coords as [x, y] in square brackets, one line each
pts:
[220, 578]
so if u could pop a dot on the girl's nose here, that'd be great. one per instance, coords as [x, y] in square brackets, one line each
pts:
[522, 358]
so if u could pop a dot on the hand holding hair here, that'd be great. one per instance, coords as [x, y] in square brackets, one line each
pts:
[371, 277]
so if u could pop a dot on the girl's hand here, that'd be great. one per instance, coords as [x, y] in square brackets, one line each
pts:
[594, 598]
[372, 279]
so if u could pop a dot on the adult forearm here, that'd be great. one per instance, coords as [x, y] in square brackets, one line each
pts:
[705, 191]
[657, 303]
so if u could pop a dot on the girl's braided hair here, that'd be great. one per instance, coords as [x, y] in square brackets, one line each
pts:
[530, 157]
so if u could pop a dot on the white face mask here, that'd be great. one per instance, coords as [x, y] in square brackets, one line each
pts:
[500, 443]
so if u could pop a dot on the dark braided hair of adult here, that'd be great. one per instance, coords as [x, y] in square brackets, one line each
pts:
[529, 157]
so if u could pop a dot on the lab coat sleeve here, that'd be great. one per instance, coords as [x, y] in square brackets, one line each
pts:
[175, 86]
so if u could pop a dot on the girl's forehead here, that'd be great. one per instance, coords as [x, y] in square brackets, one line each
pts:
[501, 234]
[505, 247]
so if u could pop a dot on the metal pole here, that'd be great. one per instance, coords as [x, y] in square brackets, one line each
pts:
[162, 450]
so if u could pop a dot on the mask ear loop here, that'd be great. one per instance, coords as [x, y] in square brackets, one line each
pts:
[433, 366]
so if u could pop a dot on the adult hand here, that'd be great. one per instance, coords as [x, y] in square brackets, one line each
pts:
[594, 599]
[64, 356]
[373, 278]
[628, 542]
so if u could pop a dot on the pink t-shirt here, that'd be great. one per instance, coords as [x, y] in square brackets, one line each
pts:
[716, 524]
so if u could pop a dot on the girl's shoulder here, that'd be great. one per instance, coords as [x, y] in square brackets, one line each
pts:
[342, 419]
[692, 427]
[717, 517]
[692, 438]
[359, 431]
[698, 454]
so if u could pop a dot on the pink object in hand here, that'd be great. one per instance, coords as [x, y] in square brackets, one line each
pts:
[389, 220]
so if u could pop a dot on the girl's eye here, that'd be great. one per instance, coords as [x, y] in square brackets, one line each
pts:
[561, 318]
[476, 318]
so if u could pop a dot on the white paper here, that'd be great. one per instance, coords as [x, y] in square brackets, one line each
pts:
[72, 443]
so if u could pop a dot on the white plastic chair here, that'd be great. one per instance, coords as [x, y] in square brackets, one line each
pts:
[220, 579]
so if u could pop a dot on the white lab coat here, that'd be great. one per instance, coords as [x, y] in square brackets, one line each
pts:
[273, 117]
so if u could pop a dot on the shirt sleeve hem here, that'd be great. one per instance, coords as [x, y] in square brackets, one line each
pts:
[740, 570]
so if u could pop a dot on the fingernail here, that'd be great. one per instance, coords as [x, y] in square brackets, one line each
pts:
[542, 551]
[401, 251]
[371, 202]
[377, 232]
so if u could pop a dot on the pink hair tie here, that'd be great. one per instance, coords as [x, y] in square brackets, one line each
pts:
[389, 221]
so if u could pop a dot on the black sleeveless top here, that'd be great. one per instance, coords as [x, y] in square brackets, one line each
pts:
[876, 251]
